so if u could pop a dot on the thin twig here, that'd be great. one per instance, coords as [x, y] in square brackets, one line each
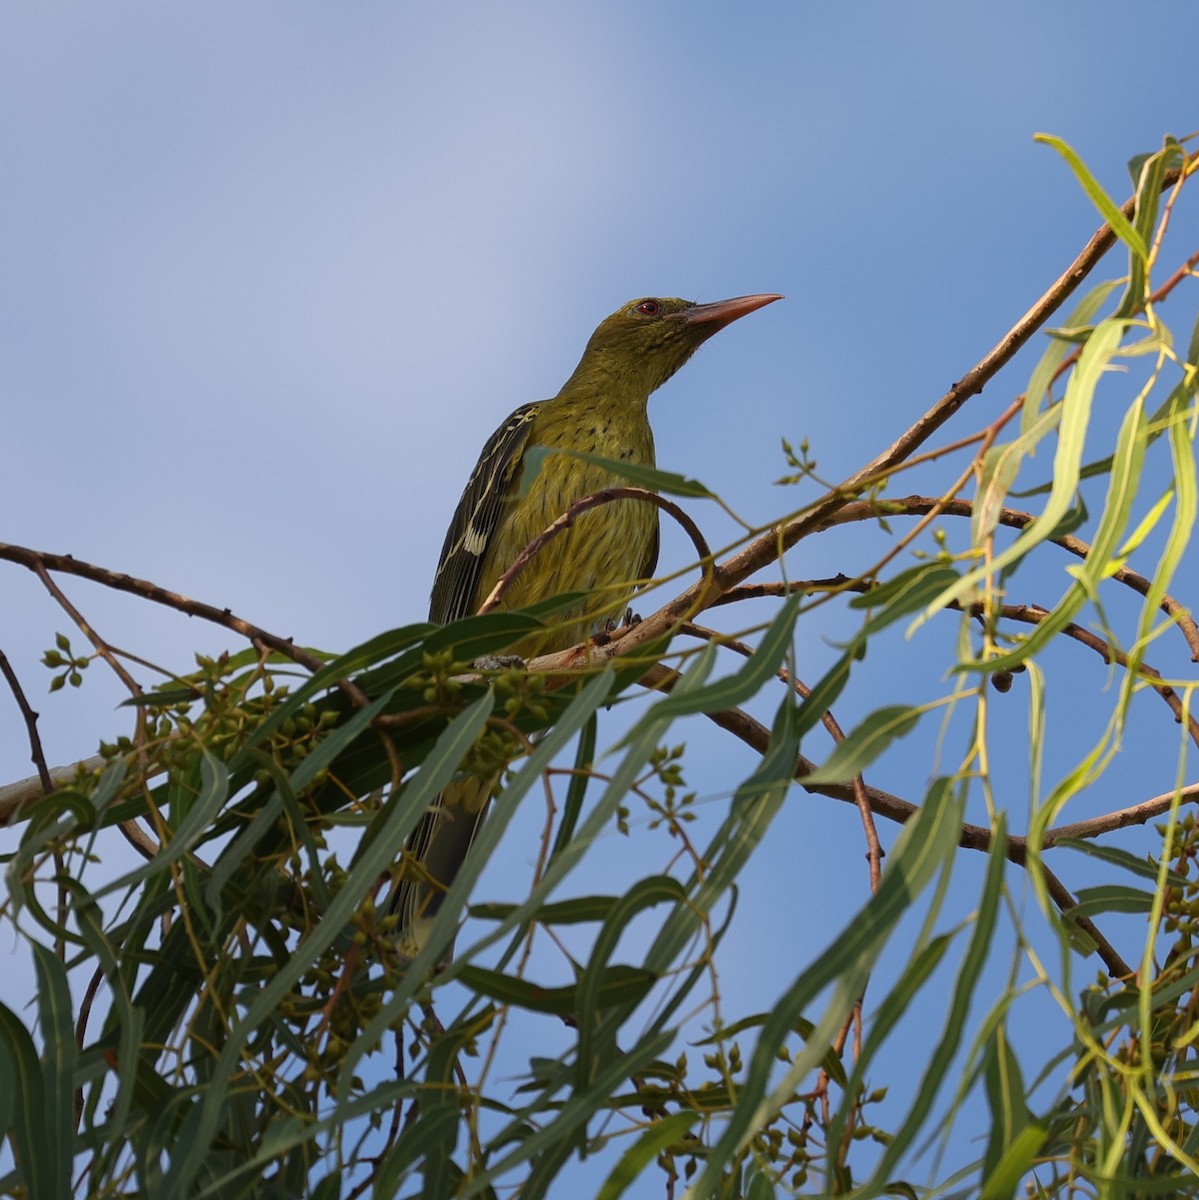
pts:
[37, 560]
[137, 837]
[36, 754]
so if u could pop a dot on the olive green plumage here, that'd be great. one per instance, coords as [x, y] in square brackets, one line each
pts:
[600, 409]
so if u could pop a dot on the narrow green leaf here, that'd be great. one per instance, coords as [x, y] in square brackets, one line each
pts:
[1058, 350]
[1001, 464]
[1148, 184]
[925, 846]
[162, 698]
[126, 1022]
[1111, 897]
[572, 806]
[614, 985]
[1005, 1098]
[1108, 208]
[58, 1071]
[905, 593]
[1126, 466]
[1186, 489]
[473, 637]
[8, 1095]
[1121, 858]
[1002, 1182]
[824, 693]
[862, 745]
[961, 996]
[636, 473]
[36, 1161]
[235, 855]
[760, 1187]
[660, 1136]
[887, 1015]
[1178, 1185]
[576, 911]
[211, 798]
[745, 682]
[590, 993]
[1096, 356]
[1171, 154]
[436, 1130]
[996, 485]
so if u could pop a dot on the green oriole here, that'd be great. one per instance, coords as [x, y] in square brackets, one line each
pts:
[601, 409]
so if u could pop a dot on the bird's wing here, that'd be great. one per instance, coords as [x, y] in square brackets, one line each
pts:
[651, 555]
[476, 517]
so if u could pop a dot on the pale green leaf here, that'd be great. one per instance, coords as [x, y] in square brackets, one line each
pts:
[863, 744]
[1108, 208]
[638, 474]
[659, 1137]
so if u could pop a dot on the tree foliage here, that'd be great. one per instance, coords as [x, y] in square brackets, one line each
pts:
[227, 1014]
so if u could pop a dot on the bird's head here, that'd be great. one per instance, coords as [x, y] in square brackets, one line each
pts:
[643, 343]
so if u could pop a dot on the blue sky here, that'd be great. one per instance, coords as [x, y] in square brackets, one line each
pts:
[274, 272]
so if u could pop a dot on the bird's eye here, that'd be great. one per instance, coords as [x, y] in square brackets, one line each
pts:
[650, 308]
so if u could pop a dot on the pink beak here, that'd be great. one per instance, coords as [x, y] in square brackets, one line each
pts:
[724, 312]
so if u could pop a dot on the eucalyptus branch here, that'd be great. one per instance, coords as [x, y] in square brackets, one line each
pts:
[1122, 818]
[38, 560]
[41, 563]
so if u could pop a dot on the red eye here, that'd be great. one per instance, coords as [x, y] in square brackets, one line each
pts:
[651, 308]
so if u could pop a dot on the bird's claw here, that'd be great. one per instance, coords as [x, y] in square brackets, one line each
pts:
[601, 631]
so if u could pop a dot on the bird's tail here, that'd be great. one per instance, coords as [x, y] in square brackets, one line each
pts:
[439, 844]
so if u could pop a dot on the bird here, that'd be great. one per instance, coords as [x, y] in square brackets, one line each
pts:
[601, 409]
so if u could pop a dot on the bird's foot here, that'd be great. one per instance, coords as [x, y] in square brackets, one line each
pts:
[602, 631]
